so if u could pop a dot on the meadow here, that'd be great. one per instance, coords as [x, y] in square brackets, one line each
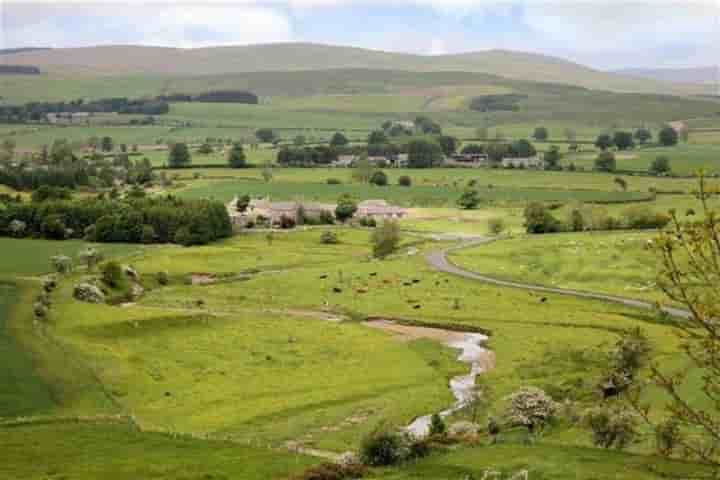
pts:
[685, 159]
[419, 196]
[616, 263]
[265, 336]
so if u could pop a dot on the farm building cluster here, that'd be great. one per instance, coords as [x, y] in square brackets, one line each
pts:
[263, 210]
[463, 160]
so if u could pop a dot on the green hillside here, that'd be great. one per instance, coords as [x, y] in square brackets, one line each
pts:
[134, 60]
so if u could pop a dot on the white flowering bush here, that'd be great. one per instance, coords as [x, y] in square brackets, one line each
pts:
[532, 408]
[87, 292]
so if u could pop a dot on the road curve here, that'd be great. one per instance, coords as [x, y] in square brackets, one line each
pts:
[439, 261]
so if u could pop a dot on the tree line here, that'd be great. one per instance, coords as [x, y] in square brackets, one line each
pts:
[133, 220]
[38, 111]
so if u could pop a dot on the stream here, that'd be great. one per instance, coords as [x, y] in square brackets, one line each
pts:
[462, 386]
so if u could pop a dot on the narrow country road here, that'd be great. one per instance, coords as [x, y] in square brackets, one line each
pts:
[438, 260]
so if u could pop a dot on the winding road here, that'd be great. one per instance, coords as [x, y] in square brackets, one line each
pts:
[438, 260]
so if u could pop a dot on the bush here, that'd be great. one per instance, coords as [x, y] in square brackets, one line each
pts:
[385, 239]
[381, 447]
[332, 471]
[113, 276]
[368, 222]
[668, 137]
[346, 208]
[538, 219]
[326, 218]
[605, 162]
[183, 237]
[148, 234]
[469, 199]
[379, 179]
[496, 225]
[286, 222]
[437, 426]
[334, 181]
[612, 427]
[660, 165]
[86, 292]
[163, 278]
[532, 408]
[329, 238]
[53, 227]
[62, 264]
[405, 181]
[642, 217]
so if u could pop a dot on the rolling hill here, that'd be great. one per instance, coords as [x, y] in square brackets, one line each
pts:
[697, 75]
[138, 60]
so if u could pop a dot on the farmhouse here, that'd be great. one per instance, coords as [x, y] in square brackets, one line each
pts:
[76, 117]
[379, 210]
[473, 160]
[528, 162]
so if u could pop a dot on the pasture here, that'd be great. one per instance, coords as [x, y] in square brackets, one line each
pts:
[418, 196]
[616, 263]
[685, 159]
[117, 451]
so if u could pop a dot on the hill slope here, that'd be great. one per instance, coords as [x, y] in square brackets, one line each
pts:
[134, 60]
[698, 75]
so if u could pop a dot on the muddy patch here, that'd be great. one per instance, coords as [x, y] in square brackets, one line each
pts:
[202, 278]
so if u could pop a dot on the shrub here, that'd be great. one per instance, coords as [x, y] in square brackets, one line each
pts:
[538, 219]
[381, 447]
[62, 264]
[53, 227]
[667, 436]
[532, 408]
[183, 236]
[668, 137]
[612, 427]
[642, 217]
[329, 238]
[660, 165]
[148, 234]
[437, 426]
[286, 222]
[86, 292]
[605, 162]
[405, 181]
[334, 181]
[112, 275]
[469, 199]
[385, 239]
[163, 278]
[326, 218]
[379, 179]
[368, 222]
[496, 225]
[346, 208]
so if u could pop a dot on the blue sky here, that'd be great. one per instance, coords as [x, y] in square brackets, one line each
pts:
[604, 34]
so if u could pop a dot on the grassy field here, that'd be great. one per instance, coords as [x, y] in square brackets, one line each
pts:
[685, 159]
[419, 196]
[116, 451]
[456, 177]
[186, 356]
[616, 263]
[32, 257]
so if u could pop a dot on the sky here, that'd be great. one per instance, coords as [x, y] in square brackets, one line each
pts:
[605, 34]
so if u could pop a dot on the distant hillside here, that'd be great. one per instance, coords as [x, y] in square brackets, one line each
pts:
[9, 51]
[18, 70]
[697, 75]
[137, 60]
